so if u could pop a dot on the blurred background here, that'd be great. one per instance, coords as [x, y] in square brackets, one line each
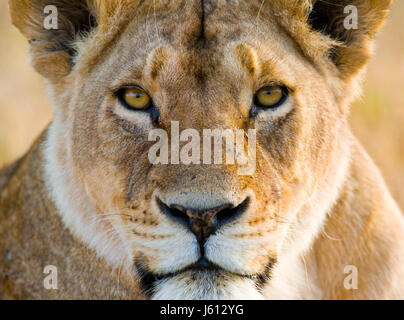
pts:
[377, 118]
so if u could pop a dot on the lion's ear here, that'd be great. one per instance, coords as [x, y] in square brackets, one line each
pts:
[52, 26]
[354, 23]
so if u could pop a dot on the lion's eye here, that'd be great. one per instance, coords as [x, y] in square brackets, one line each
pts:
[270, 96]
[135, 98]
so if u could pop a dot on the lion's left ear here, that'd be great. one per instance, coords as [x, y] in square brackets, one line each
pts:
[53, 26]
[354, 23]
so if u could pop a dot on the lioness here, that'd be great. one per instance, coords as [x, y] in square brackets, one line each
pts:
[86, 201]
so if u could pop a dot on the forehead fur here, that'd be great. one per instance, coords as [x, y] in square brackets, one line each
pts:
[197, 24]
[212, 19]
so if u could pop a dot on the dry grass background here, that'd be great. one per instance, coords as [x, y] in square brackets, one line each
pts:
[377, 118]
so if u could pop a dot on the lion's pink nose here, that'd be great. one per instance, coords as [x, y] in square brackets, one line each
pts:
[203, 222]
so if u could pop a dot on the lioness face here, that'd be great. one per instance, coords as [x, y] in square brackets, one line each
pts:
[197, 230]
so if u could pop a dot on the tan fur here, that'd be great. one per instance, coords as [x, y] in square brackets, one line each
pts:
[84, 197]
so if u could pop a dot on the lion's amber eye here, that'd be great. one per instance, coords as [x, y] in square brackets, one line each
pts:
[135, 98]
[270, 96]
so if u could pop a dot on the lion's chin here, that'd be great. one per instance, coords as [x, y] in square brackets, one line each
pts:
[206, 285]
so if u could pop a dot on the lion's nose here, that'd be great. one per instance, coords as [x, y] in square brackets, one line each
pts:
[203, 222]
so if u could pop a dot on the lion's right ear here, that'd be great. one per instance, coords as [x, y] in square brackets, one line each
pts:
[354, 24]
[52, 26]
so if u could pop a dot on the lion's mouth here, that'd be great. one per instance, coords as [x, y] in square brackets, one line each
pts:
[149, 279]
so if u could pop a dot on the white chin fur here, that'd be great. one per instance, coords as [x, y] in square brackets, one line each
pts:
[206, 285]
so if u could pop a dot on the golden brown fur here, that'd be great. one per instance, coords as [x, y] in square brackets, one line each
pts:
[23, 261]
[85, 197]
